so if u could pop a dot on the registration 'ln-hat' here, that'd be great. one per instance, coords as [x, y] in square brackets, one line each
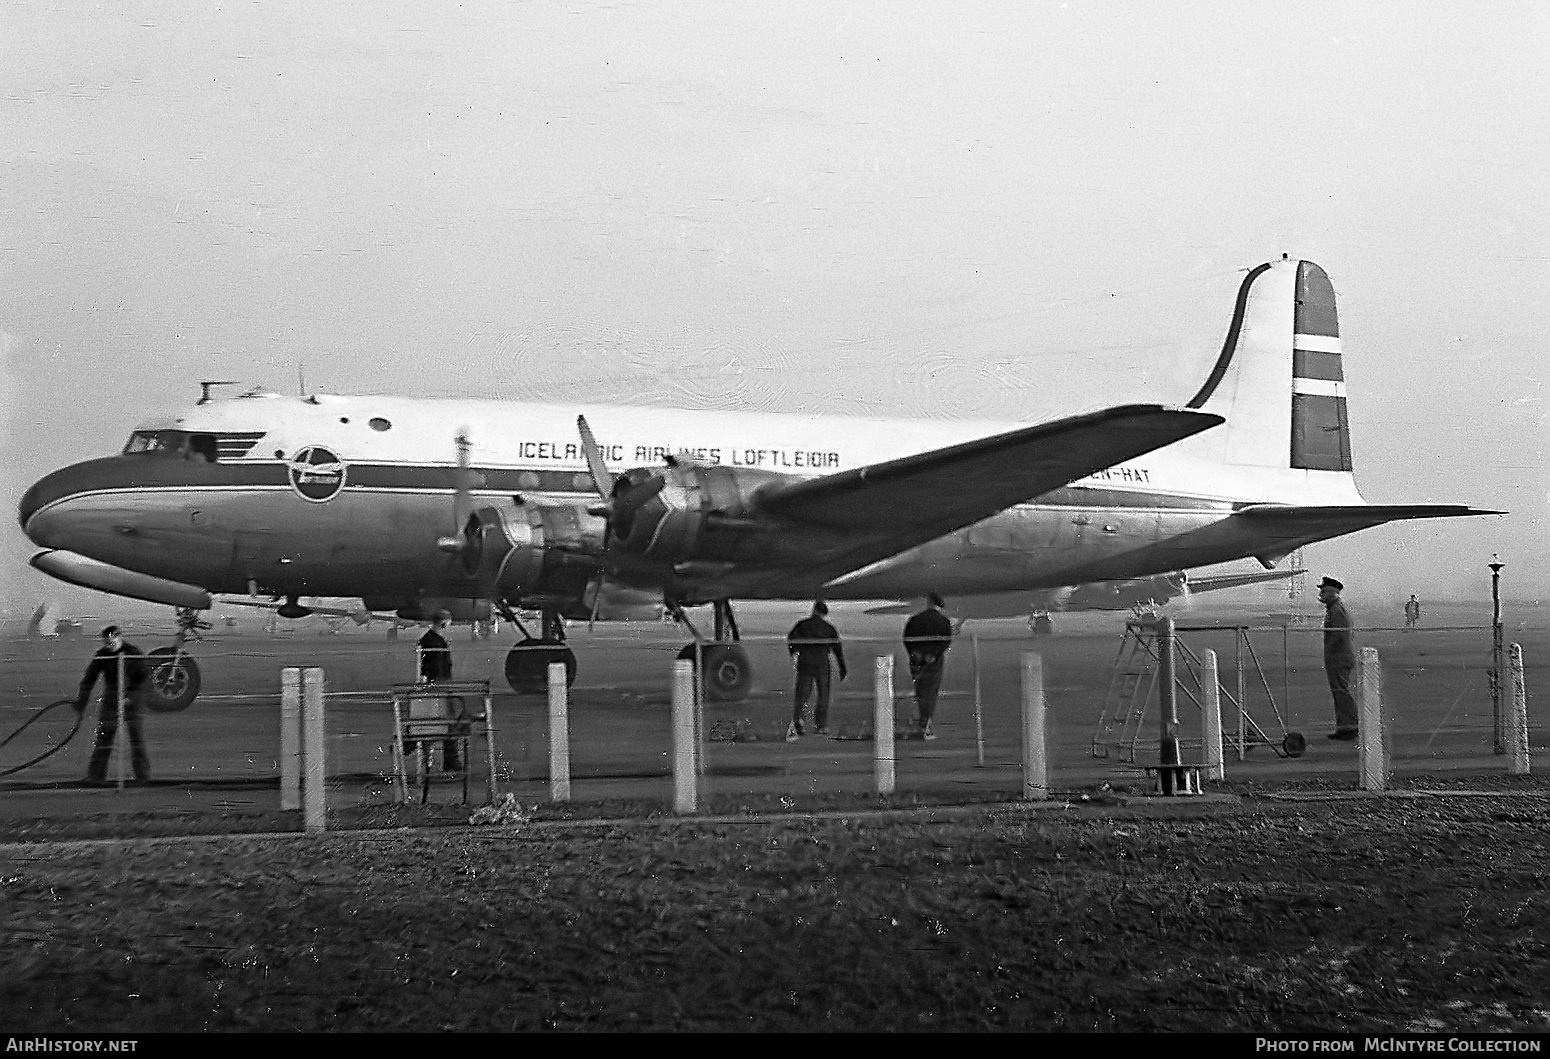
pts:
[1332, 583]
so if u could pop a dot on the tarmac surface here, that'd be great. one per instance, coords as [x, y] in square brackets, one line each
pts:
[219, 759]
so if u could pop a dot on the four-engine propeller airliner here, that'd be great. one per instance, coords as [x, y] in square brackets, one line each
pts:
[520, 506]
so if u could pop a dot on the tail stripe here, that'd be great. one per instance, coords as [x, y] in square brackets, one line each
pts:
[1312, 364]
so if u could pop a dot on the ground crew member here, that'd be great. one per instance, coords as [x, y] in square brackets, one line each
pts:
[113, 656]
[927, 636]
[436, 667]
[810, 643]
[1412, 612]
[1339, 658]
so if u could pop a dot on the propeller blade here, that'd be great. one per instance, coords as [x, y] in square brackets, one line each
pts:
[630, 499]
[462, 499]
[602, 479]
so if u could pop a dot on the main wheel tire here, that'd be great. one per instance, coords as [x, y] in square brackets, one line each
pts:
[727, 672]
[172, 681]
[1294, 744]
[527, 666]
[1042, 626]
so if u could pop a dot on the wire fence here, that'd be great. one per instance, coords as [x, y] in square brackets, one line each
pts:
[1437, 687]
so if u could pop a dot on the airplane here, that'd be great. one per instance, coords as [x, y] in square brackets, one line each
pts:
[1136, 594]
[522, 506]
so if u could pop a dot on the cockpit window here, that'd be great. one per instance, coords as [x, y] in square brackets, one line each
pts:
[174, 443]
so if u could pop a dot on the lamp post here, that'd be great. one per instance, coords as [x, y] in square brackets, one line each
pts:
[1498, 743]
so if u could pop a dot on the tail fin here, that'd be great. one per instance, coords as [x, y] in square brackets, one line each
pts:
[1280, 385]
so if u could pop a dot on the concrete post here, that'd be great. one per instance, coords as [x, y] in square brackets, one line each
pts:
[1035, 758]
[290, 738]
[1167, 696]
[123, 743]
[1371, 736]
[1211, 717]
[314, 807]
[559, 735]
[685, 774]
[882, 724]
[1518, 715]
[979, 712]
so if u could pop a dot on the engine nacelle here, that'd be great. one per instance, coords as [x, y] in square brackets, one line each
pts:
[701, 512]
[525, 550]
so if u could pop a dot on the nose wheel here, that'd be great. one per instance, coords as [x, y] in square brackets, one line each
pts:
[172, 680]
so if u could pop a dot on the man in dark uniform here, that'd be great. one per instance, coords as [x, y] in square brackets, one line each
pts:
[927, 636]
[1339, 658]
[435, 667]
[810, 643]
[112, 658]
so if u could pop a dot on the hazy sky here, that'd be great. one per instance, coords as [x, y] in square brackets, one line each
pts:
[1016, 210]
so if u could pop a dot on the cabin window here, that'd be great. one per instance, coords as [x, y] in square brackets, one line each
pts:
[203, 446]
[174, 443]
[378, 423]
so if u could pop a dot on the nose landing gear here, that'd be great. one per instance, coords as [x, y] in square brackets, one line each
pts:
[172, 677]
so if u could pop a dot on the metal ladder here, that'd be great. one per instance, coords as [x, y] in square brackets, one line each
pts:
[1130, 687]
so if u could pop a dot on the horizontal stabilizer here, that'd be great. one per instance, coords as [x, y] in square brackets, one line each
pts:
[1356, 515]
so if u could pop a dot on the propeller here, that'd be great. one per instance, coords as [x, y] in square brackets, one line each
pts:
[618, 500]
[464, 538]
[619, 497]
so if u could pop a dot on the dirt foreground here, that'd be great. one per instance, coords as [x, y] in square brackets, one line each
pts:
[1291, 910]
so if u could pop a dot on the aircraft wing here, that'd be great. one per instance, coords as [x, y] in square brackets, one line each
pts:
[1212, 584]
[901, 503]
[888, 507]
[359, 615]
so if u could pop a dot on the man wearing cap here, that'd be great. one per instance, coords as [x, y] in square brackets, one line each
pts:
[927, 636]
[810, 643]
[1339, 658]
[113, 658]
[436, 666]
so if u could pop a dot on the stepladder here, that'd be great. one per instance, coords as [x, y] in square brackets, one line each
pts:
[453, 715]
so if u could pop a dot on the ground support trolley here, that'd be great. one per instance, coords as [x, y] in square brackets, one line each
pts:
[438, 711]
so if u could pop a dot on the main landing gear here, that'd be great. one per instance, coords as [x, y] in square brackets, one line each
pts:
[724, 665]
[172, 676]
[1040, 625]
[527, 664]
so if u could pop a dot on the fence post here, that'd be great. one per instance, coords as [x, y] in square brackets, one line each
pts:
[882, 724]
[979, 712]
[123, 743]
[1371, 741]
[1518, 725]
[1035, 758]
[1167, 696]
[1211, 717]
[290, 738]
[685, 773]
[559, 735]
[314, 808]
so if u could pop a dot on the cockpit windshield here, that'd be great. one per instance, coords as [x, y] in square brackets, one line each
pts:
[173, 443]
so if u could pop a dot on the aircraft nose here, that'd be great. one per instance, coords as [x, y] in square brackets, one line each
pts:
[32, 512]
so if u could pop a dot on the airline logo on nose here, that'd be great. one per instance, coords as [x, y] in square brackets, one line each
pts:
[317, 474]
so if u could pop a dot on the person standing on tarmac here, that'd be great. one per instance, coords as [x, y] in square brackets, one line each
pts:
[810, 642]
[115, 656]
[1412, 612]
[1339, 658]
[927, 636]
[436, 667]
